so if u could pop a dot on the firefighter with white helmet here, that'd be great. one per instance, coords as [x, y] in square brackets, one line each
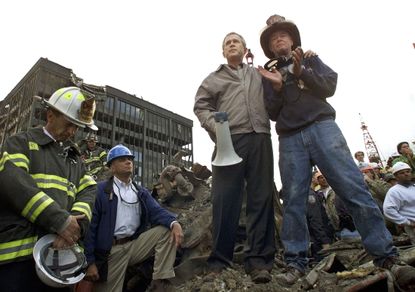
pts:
[72, 103]
[44, 190]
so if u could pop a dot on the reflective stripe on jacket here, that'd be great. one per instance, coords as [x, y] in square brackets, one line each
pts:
[42, 183]
[95, 160]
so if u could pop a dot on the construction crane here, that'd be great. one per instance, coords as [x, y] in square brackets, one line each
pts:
[370, 145]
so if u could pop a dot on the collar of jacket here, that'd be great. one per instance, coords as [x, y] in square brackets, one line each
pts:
[108, 188]
[221, 66]
[42, 139]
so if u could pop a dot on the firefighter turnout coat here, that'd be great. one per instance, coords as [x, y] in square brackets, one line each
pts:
[42, 182]
[94, 160]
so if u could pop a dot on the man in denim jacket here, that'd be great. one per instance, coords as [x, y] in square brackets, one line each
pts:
[308, 135]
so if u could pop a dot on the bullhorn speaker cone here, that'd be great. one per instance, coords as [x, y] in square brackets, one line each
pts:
[225, 153]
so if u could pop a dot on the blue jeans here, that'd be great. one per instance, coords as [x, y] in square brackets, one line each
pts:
[347, 234]
[323, 144]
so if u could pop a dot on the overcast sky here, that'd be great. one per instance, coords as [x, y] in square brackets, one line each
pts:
[162, 50]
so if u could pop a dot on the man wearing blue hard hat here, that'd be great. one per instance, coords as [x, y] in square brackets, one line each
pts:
[120, 233]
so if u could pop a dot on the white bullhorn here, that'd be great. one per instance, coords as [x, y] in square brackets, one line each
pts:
[225, 153]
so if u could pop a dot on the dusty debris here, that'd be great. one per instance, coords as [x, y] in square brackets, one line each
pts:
[345, 265]
[355, 273]
[373, 281]
[327, 264]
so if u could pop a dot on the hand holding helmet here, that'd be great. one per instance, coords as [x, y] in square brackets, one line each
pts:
[71, 234]
[58, 267]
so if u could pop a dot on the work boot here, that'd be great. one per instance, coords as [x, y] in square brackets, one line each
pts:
[289, 277]
[213, 271]
[260, 276]
[161, 285]
[403, 273]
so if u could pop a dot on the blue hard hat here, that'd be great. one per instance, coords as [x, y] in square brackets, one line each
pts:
[118, 151]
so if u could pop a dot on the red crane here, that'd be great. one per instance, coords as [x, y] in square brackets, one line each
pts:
[370, 145]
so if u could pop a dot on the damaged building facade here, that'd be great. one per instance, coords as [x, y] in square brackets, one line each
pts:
[153, 133]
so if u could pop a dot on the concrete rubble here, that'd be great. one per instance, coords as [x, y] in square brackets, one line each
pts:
[345, 266]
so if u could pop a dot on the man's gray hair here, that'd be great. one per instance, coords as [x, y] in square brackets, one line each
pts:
[234, 33]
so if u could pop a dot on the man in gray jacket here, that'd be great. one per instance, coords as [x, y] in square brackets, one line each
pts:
[237, 89]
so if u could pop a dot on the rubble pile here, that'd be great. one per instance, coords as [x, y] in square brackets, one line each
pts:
[345, 266]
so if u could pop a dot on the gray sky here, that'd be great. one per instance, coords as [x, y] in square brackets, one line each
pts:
[162, 50]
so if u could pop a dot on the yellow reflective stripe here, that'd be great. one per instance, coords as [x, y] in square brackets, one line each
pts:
[86, 181]
[92, 159]
[18, 159]
[17, 248]
[71, 193]
[72, 190]
[51, 186]
[68, 95]
[3, 161]
[95, 170]
[16, 254]
[18, 242]
[40, 209]
[51, 177]
[83, 208]
[36, 205]
[48, 181]
[80, 96]
[103, 153]
[33, 146]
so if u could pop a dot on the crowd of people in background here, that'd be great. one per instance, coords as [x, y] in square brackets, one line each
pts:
[391, 187]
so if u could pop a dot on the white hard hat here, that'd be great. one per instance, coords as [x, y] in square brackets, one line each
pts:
[58, 267]
[398, 166]
[374, 165]
[71, 102]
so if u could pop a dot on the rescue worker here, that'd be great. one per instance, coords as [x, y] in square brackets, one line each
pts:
[129, 226]
[94, 157]
[44, 189]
